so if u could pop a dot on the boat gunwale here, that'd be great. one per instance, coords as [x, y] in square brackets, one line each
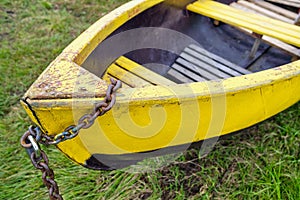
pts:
[245, 82]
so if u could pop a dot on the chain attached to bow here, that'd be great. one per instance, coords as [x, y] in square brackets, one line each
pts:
[31, 138]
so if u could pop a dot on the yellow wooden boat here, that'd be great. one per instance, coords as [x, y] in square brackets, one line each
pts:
[185, 80]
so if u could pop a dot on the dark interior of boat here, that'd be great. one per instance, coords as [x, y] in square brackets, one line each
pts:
[160, 39]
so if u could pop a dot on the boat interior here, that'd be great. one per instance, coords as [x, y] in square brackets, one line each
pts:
[176, 43]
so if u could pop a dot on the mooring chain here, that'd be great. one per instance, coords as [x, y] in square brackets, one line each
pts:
[87, 120]
[31, 138]
[47, 175]
[40, 161]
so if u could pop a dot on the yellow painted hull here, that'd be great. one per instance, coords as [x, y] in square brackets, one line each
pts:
[153, 117]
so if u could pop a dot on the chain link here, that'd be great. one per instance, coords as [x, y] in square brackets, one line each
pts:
[87, 120]
[34, 136]
[41, 163]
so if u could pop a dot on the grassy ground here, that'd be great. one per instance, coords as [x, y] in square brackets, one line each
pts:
[262, 162]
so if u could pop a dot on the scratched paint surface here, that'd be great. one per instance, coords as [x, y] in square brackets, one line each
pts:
[66, 80]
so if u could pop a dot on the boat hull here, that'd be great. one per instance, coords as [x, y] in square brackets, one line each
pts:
[152, 118]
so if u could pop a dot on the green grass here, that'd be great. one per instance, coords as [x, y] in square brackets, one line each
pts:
[262, 162]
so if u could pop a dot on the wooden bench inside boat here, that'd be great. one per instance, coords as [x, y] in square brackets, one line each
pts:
[260, 25]
[261, 7]
[133, 74]
[264, 8]
[196, 64]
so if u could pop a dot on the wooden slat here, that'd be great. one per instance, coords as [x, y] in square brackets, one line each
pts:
[227, 11]
[126, 77]
[265, 12]
[143, 72]
[188, 72]
[288, 2]
[197, 64]
[259, 24]
[133, 74]
[220, 59]
[276, 9]
[216, 72]
[243, 8]
[196, 69]
[269, 40]
[293, 51]
[212, 62]
[179, 76]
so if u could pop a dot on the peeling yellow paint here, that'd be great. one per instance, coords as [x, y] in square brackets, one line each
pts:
[64, 79]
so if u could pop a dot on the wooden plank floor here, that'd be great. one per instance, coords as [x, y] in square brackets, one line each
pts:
[258, 24]
[267, 9]
[196, 64]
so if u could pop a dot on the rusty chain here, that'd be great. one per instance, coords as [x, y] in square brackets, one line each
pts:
[31, 138]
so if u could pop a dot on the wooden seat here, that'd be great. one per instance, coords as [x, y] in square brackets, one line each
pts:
[267, 9]
[133, 74]
[258, 24]
[196, 64]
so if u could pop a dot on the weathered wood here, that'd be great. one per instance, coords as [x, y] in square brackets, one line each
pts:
[197, 64]
[255, 47]
[220, 59]
[294, 3]
[293, 51]
[181, 77]
[206, 67]
[212, 62]
[205, 63]
[188, 72]
[259, 24]
[264, 11]
[244, 8]
[275, 9]
[197, 70]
